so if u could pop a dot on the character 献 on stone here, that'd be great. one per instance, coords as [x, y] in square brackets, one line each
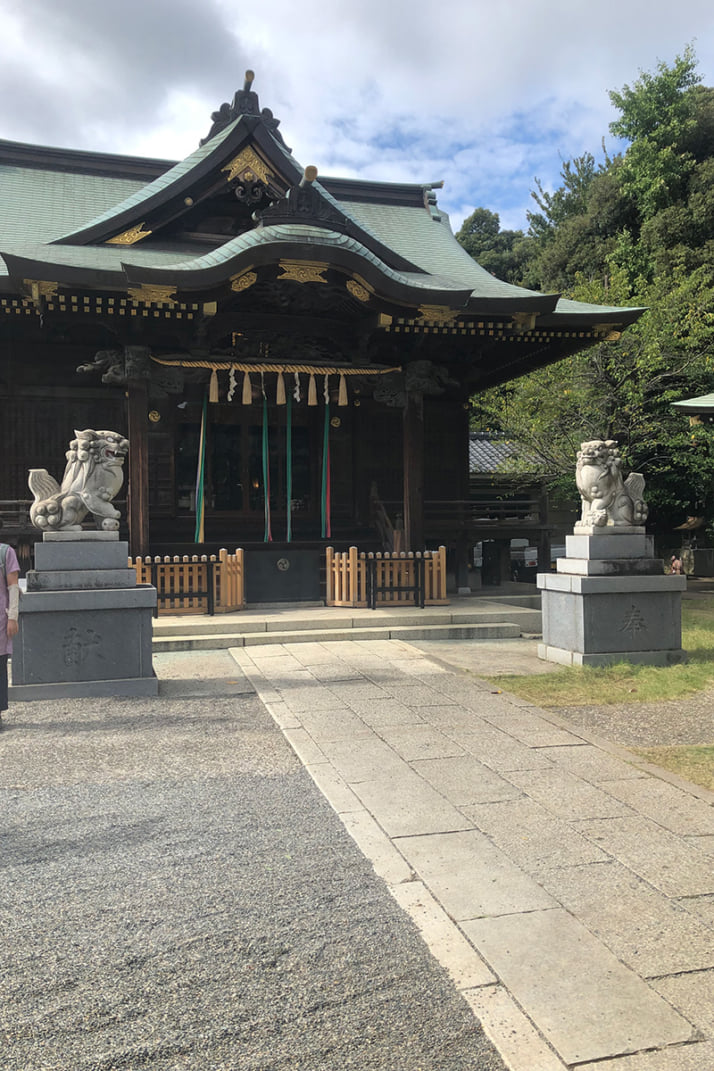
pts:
[92, 478]
[607, 499]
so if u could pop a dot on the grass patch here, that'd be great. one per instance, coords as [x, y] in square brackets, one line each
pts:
[625, 683]
[695, 764]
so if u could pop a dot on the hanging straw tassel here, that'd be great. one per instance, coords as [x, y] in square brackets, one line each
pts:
[247, 389]
[280, 398]
[213, 387]
[312, 391]
[342, 395]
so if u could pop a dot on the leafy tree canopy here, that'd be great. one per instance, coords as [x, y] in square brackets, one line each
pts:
[636, 228]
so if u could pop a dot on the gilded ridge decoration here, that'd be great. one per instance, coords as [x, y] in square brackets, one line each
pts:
[153, 295]
[438, 314]
[524, 321]
[40, 288]
[359, 289]
[607, 332]
[132, 236]
[247, 165]
[244, 281]
[302, 271]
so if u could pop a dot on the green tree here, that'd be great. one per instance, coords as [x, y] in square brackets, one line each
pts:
[637, 229]
[504, 253]
[658, 118]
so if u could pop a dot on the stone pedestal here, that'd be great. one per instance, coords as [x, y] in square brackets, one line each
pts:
[610, 601]
[85, 624]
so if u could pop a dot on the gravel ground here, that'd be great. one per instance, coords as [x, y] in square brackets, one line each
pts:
[175, 893]
[677, 721]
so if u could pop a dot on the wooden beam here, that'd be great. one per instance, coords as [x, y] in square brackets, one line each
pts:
[138, 490]
[413, 455]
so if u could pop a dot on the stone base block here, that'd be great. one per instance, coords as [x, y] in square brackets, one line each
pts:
[611, 566]
[617, 530]
[610, 658]
[129, 686]
[609, 585]
[598, 620]
[80, 579]
[609, 543]
[77, 555]
[85, 536]
[83, 639]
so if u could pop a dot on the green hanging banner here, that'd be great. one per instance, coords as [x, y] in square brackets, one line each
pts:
[326, 524]
[199, 532]
[289, 465]
[268, 535]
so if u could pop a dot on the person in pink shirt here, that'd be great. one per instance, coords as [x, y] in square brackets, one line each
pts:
[9, 610]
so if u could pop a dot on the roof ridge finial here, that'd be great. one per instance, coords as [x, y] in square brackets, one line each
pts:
[245, 102]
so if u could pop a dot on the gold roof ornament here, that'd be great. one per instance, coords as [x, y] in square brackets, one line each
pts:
[249, 167]
[302, 271]
[132, 236]
[438, 314]
[359, 288]
[242, 282]
[524, 321]
[153, 295]
[40, 288]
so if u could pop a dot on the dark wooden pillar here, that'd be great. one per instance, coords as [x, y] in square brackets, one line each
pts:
[544, 552]
[413, 449]
[138, 490]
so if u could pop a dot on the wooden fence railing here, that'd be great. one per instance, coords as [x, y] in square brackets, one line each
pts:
[480, 513]
[359, 579]
[200, 584]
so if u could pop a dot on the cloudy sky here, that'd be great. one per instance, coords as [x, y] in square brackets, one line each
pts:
[484, 94]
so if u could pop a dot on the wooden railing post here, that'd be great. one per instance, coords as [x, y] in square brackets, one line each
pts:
[329, 578]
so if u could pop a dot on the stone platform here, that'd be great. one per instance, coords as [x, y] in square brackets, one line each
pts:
[85, 625]
[610, 601]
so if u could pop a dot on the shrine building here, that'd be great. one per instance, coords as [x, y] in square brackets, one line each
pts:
[290, 355]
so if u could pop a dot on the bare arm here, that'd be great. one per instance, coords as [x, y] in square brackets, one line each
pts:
[13, 610]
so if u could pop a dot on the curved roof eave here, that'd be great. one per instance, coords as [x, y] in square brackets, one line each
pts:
[112, 267]
[268, 245]
[177, 180]
[568, 311]
[703, 404]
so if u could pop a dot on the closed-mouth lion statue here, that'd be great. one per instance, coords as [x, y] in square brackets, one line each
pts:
[92, 478]
[607, 499]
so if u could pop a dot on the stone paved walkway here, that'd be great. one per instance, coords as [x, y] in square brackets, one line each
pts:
[568, 889]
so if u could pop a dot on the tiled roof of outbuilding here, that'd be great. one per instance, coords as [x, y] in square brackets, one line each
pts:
[487, 453]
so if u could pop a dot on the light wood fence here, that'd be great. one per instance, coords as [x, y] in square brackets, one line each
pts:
[200, 584]
[359, 579]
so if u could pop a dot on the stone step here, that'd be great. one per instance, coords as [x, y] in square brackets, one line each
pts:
[528, 620]
[388, 631]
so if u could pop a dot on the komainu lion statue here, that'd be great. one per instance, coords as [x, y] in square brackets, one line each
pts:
[607, 499]
[93, 476]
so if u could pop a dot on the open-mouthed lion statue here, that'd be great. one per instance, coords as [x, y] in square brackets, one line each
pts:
[607, 499]
[93, 476]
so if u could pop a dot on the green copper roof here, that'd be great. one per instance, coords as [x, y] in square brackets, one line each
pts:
[54, 215]
[703, 404]
[145, 192]
[429, 243]
[40, 205]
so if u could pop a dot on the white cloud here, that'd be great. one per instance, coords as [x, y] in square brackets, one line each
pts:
[486, 96]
